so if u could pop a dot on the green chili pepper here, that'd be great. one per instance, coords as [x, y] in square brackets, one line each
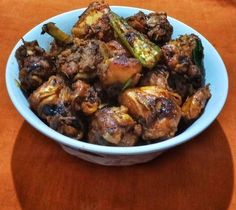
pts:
[139, 46]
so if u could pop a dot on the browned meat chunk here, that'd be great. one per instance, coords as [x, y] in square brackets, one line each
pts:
[183, 85]
[178, 55]
[193, 106]
[113, 48]
[85, 98]
[94, 23]
[113, 126]
[51, 102]
[157, 77]
[156, 109]
[183, 57]
[81, 58]
[118, 70]
[35, 66]
[155, 25]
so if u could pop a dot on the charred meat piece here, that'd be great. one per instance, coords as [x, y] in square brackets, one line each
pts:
[81, 58]
[184, 55]
[35, 65]
[183, 85]
[157, 77]
[74, 56]
[78, 58]
[61, 39]
[28, 49]
[157, 110]
[155, 25]
[51, 101]
[193, 106]
[138, 21]
[52, 92]
[84, 98]
[94, 23]
[113, 126]
[69, 125]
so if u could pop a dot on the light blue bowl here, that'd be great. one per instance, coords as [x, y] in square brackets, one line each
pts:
[216, 75]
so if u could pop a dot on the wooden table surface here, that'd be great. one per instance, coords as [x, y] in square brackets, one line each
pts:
[35, 174]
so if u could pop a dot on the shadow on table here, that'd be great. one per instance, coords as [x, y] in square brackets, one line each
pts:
[226, 3]
[195, 175]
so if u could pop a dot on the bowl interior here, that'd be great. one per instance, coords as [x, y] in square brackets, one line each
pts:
[216, 75]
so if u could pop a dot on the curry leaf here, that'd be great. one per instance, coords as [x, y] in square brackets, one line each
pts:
[198, 54]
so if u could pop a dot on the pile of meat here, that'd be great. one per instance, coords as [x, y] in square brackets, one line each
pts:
[91, 87]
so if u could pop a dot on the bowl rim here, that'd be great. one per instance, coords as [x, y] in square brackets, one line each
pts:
[113, 150]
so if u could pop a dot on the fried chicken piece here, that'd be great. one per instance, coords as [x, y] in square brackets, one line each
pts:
[113, 126]
[155, 25]
[51, 101]
[81, 58]
[156, 77]
[183, 85]
[35, 65]
[157, 110]
[94, 23]
[117, 67]
[183, 57]
[85, 98]
[118, 70]
[194, 105]
[76, 58]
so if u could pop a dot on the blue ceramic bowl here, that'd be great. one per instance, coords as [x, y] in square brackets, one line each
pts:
[216, 75]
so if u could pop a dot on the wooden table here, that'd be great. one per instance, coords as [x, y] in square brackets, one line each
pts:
[35, 174]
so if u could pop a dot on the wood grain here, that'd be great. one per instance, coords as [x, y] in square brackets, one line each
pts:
[35, 174]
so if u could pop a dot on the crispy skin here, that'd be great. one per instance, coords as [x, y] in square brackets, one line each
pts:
[156, 109]
[84, 98]
[51, 101]
[53, 91]
[155, 25]
[113, 126]
[35, 65]
[118, 70]
[194, 105]
[94, 23]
